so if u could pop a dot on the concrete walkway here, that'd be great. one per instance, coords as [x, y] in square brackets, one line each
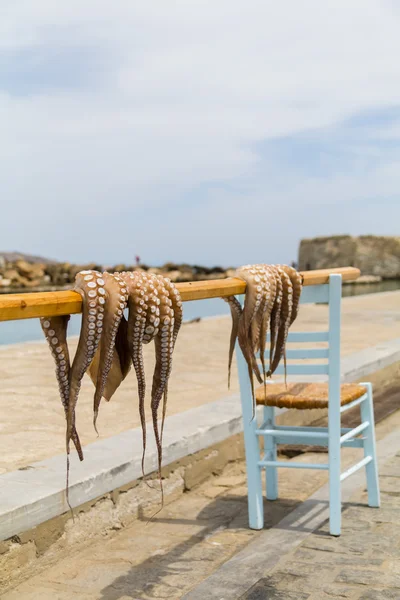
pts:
[199, 547]
[32, 424]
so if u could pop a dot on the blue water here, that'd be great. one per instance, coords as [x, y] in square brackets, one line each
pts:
[13, 332]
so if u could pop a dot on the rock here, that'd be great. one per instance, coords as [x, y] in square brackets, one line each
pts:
[118, 269]
[169, 267]
[175, 276]
[30, 270]
[215, 275]
[368, 279]
[5, 282]
[30, 283]
[373, 255]
[12, 275]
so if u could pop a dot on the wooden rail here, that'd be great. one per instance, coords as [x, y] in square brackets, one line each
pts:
[47, 304]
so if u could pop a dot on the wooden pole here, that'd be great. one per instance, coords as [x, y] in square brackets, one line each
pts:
[48, 304]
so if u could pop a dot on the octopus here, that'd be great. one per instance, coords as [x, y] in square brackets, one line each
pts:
[109, 344]
[271, 302]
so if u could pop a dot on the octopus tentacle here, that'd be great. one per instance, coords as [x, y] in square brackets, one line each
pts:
[262, 281]
[116, 296]
[121, 362]
[55, 330]
[152, 312]
[93, 300]
[176, 304]
[268, 284]
[265, 315]
[255, 289]
[137, 291]
[251, 276]
[285, 320]
[236, 312]
[275, 318]
[164, 345]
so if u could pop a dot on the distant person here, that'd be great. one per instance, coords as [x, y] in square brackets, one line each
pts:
[137, 258]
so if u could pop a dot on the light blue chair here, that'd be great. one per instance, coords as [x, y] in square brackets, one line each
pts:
[334, 436]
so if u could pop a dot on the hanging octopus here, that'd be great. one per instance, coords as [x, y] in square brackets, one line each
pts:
[109, 344]
[284, 322]
[271, 301]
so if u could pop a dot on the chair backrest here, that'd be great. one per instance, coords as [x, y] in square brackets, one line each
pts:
[328, 356]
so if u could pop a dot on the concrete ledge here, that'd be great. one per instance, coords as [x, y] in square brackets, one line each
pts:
[31, 496]
[361, 364]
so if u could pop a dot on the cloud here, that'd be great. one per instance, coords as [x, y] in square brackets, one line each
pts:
[196, 131]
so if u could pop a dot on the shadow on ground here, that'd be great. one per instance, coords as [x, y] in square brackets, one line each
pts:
[143, 581]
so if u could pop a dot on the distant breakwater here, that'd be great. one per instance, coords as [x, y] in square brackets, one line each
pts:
[21, 275]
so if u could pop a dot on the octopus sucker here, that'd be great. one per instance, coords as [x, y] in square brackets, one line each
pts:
[297, 283]
[285, 320]
[93, 300]
[107, 325]
[236, 312]
[55, 330]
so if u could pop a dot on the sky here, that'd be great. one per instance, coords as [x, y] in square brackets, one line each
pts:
[202, 131]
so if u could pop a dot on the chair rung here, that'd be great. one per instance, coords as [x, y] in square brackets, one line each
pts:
[286, 433]
[292, 465]
[300, 369]
[354, 403]
[354, 432]
[298, 428]
[306, 336]
[355, 467]
[307, 353]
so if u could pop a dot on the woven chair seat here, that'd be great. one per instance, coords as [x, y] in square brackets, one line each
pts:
[305, 395]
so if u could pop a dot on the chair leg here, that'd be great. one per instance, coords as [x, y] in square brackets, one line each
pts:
[367, 414]
[335, 501]
[254, 485]
[271, 473]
